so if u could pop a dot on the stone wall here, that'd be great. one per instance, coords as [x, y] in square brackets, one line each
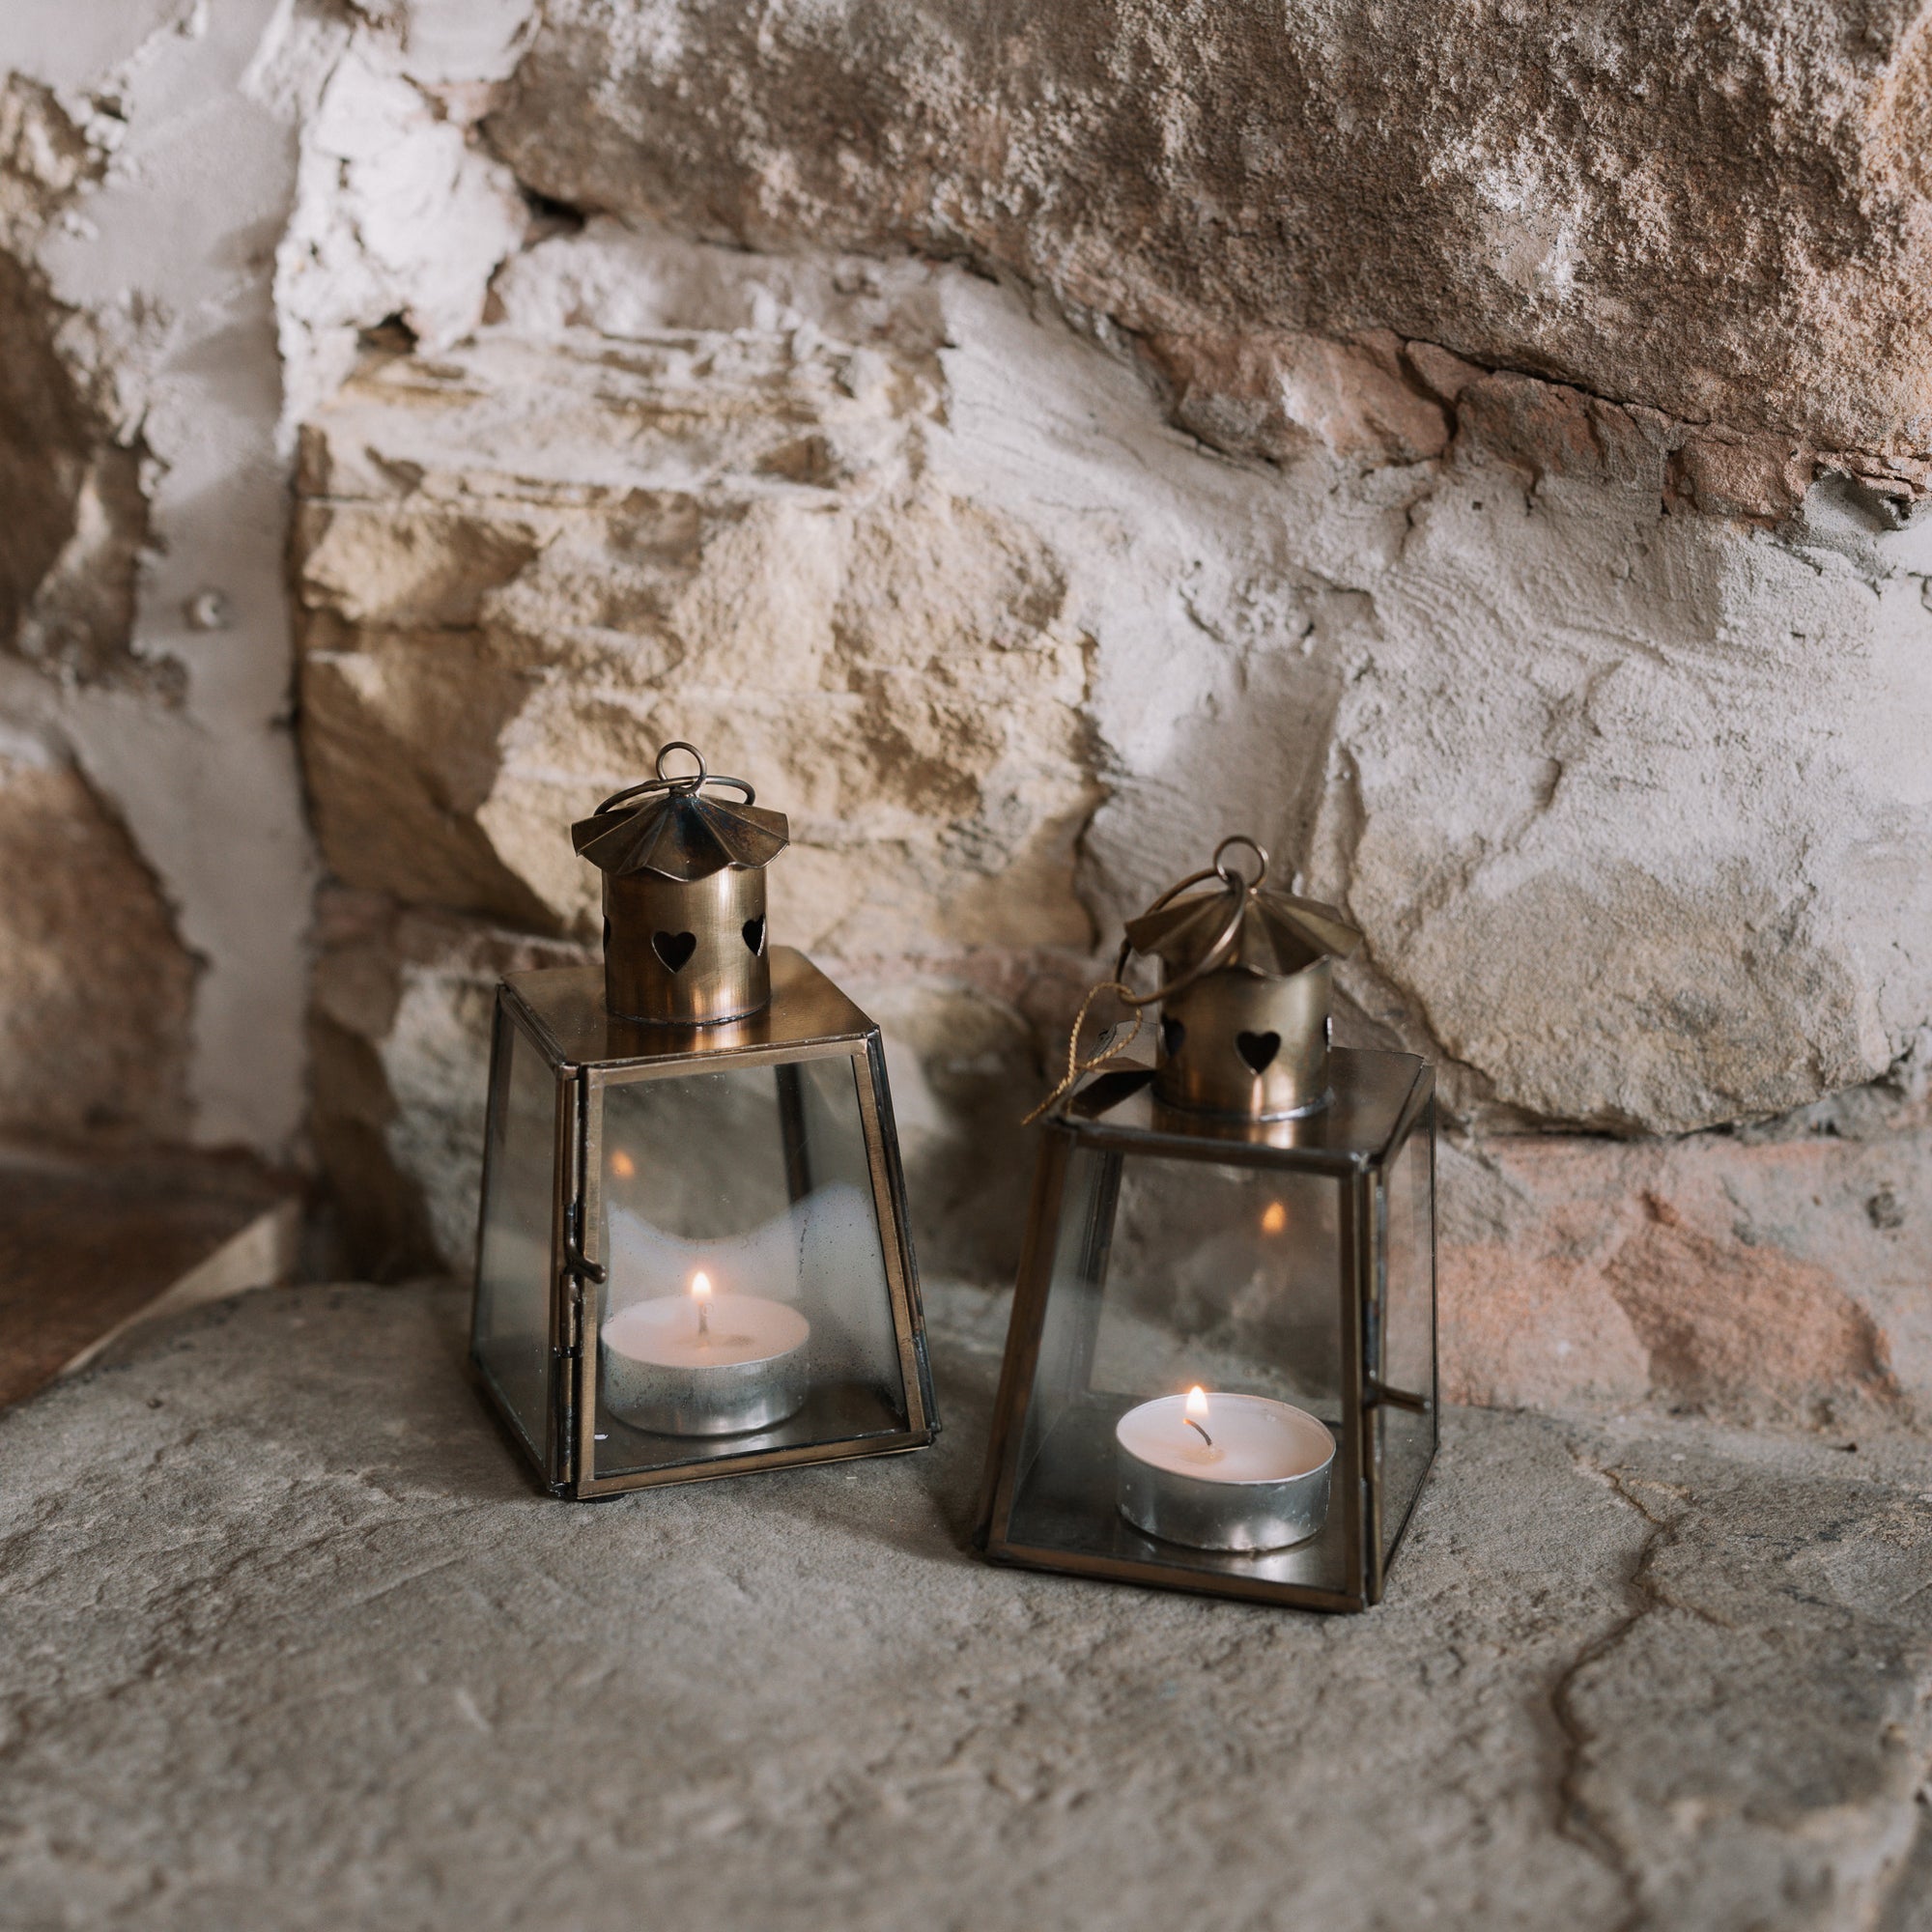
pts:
[1477, 454]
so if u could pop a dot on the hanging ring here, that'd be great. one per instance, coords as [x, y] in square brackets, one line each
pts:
[1224, 943]
[687, 785]
[1233, 879]
[690, 782]
[1238, 887]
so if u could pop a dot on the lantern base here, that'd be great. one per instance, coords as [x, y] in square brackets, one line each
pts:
[1070, 1519]
[1166, 1098]
[844, 1412]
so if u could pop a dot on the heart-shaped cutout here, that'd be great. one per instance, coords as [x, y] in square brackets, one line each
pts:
[674, 948]
[1172, 1033]
[754, 930]
[1258, 1049]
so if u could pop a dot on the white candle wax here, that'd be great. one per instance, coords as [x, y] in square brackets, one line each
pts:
[664, 1332]
[1254, 1439]
[706, 1364]
[1223, 1472]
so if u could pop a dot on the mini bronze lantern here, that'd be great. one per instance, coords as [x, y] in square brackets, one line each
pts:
[1220, 1370]
[684, 896]
[693, 1258]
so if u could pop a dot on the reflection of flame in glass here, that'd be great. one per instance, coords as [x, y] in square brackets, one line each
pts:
[623, 1165]
[1197, 1403]
[1274, 1218]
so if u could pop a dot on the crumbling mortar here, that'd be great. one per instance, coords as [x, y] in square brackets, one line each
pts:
[1134, 345]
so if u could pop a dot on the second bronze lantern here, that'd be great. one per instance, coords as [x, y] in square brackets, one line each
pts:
[694, 1258]
[1220, 1369]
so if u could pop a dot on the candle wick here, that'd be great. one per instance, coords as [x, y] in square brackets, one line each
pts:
[1200, 1431]
[704, 1318]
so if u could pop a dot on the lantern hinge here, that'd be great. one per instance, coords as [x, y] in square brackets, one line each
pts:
[576, 1262]
[1378, 1393]
[578, 1269]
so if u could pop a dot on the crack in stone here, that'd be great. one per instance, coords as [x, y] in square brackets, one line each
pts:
[1576, 1820]
[1895, 1898]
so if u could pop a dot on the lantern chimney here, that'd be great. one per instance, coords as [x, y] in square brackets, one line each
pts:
[1246, 1008]
[684, 894]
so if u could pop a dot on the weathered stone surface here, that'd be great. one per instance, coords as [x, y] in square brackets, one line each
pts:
[531, 565]
[291, 1641]
[395, 213]
[44, 157]
[400, 1041]
[74, 516]
[715, 524]
[95, 985]
[941, 643]
[1269, 394]
[1565, 632]
[1722, 217]
[146, 161]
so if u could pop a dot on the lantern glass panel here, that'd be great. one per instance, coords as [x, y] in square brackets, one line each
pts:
[1167, 1274]
[514, 1266]
[1405, 1436]
[747, 1305]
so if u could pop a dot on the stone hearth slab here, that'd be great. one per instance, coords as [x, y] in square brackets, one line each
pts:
[288, 1640]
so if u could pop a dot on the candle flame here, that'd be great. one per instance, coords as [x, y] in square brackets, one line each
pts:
[1274, 1218]
[700, 1286]
[623, 1165]
[1197, 1403]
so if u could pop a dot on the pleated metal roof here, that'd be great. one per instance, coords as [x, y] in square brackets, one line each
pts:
[1279, 933]
[680, 834]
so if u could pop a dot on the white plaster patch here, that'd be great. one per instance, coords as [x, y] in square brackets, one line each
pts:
[168, 271]
[396, 214]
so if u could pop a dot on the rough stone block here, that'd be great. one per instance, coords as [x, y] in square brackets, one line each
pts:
[1724, 219]
[1777, 1279]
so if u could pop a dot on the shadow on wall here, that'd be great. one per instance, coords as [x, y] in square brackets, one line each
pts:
[96, 986]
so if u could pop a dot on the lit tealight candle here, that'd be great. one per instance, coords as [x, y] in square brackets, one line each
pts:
[706, 1364]
[1242, 1472]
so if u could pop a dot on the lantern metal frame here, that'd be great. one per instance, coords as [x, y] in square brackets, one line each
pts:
[1326, 1144]
[561, 1013]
